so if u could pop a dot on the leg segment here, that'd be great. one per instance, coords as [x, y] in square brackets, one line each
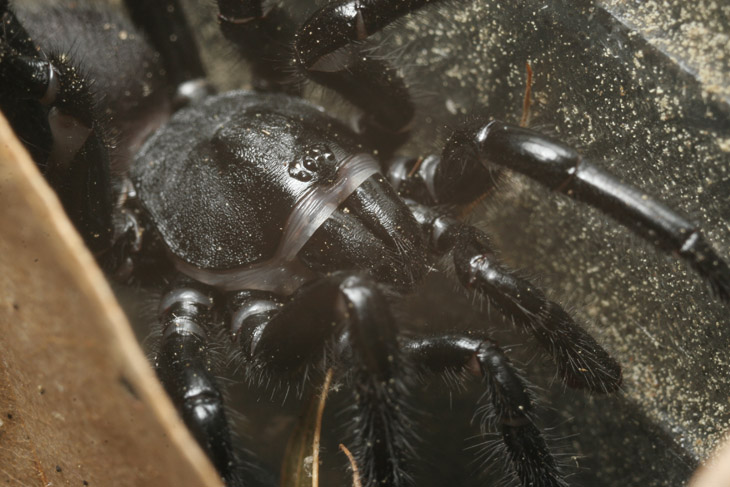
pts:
[51, 105]
[580, 360]
[326, 49]
[262, 37]
[165, 25]
[474, 156]
[184, 367]
[508, 404]
[350, 310]
[77, 166]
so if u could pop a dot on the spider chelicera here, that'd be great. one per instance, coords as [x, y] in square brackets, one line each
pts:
[278, 221]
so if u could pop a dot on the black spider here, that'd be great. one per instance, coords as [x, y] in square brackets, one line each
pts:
[275, 217]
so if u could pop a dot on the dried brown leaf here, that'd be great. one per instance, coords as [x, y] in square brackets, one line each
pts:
[78, 400]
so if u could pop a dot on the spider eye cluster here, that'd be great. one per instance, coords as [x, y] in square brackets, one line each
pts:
[316, 161]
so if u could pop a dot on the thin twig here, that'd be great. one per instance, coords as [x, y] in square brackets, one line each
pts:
[524, 122]
[318, 428]
[355, 472]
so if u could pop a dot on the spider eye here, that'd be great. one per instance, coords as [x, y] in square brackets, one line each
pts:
[311, 165]
[296, 171]
[315, 161]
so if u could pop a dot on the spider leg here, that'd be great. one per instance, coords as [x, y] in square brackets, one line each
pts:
[78, 165]
[262, 37]
[50, 103]
[474, 156]
[508, 403]
[184, 368]
[166, 27]
[328, 50]
[580, 360]
[349, 309]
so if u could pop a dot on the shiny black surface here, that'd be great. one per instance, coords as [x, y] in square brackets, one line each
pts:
[243, 146]
[373, 221]
[183, 365]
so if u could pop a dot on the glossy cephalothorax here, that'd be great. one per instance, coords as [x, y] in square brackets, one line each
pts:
[278, 222]
[289, 192]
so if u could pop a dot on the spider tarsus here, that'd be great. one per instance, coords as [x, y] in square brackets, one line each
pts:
[381, 431]
[381, 421]
[506, 405]
[530, 457]
[581, 361]
[510, 406]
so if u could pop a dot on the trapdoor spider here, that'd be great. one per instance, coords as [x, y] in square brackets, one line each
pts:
[294, 231]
